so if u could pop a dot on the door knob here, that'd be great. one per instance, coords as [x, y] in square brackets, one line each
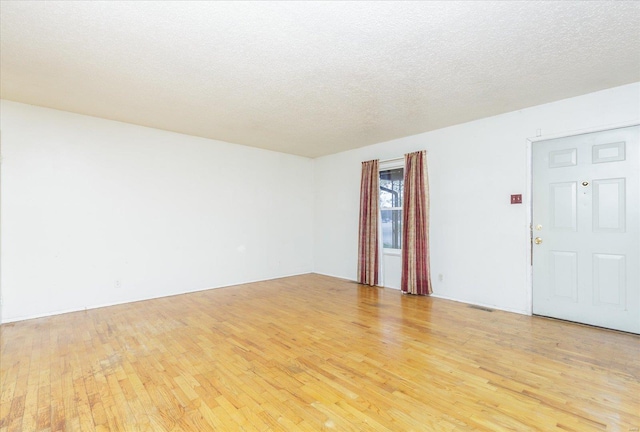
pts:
[537, 240]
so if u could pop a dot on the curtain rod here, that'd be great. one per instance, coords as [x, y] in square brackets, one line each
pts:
[392, 160]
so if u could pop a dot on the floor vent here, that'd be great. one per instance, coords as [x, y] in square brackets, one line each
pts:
[482, 308]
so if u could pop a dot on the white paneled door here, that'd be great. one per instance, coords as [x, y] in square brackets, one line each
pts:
[586, 251]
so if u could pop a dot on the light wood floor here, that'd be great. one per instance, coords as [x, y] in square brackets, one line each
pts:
[313, 353]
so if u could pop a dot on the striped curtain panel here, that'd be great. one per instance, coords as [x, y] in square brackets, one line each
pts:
[368, 231]
[416, 278]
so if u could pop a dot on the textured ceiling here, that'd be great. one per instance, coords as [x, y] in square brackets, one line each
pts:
[311, 78]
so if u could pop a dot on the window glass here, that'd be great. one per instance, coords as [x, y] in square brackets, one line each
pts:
[391, 191]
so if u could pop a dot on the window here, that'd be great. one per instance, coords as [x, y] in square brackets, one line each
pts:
[391, 191]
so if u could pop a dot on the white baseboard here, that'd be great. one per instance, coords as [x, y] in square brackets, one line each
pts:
[485, 305]
[102, 305]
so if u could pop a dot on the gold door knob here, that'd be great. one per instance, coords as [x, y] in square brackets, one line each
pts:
[537, 240]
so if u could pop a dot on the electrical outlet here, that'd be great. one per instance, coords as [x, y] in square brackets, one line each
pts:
[516, 199]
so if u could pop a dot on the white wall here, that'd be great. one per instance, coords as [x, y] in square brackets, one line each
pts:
[479, 241]
[96, 212]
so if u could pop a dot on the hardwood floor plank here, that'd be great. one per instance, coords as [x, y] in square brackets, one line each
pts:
[313, 353]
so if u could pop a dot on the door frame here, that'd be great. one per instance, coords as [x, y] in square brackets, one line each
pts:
[529, 188]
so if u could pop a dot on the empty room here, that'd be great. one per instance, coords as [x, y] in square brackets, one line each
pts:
[306, 216]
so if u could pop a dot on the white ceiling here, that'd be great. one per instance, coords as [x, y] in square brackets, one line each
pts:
[311, 78]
